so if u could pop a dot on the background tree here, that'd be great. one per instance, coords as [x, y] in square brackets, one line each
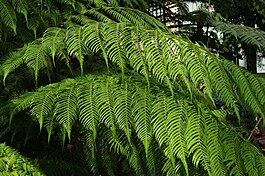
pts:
[247, 13]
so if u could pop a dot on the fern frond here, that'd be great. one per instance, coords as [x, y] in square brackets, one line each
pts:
[8, 15]
[157, 60]
[66, 107]
[50, 123]
[12, 62]
[140, 18]
[93, 38]
[223, 87]
[233, 158]
[249, 159]
[89, 116]
[135, 160]
[90, 150]
[44, 104]
[75, 44]
[114, 45]
[21, 103]
[53, 39]
[128, 118]
[22, 7]
[99, 16]
[194, 137]
[242, 157]
[123, 110]
[141, 110]
[251, 36]
[240, 77]
[126, 15]
[115, 16]
[196, 67]
[136, 52]
[213, 147]
[169, 127]
[36, 57]
[105, 104]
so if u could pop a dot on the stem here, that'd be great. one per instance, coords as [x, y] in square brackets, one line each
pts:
[254, 128]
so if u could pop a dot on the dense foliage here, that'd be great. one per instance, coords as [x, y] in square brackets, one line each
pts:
[102, 88]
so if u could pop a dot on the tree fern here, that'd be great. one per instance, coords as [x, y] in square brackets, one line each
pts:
[162, 119]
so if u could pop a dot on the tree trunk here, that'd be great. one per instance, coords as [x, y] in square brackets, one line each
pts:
[251, 57]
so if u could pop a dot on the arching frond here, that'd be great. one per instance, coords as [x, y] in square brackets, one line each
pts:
[90, 151]
[14, 60]
[164, 56]
[244, 82]
[123, 111]
[248, 35]
[133, 117]
[174, 120]
[239, 155]
[88, 111]
[77, 40]
[213, 146]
